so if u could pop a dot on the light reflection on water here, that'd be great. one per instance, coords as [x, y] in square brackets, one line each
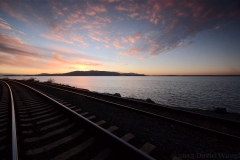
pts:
[204, 92]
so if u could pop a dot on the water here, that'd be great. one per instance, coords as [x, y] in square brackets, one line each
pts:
[201, 92]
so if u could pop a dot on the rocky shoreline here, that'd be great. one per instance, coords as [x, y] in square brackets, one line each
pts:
[171, 139]
[221, 114]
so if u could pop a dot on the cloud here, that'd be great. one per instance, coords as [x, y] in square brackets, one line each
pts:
[14, 52]
[20, 61]
[8, 40]
[111, 1]
[91, 13]
[136, 51]
[99, 36]
[14, 46]
[80, 39]
[56, 38]
[4, 24]
[176, 22]
[164, 24]
[117, 45]
[73, 39]
[59, 59]
[136, 36]
[99, 8]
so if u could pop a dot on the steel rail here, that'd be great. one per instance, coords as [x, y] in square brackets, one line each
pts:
[165, 118]
[106, 136]
[14, 148]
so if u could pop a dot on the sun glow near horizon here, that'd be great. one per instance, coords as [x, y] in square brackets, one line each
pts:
[152, 37]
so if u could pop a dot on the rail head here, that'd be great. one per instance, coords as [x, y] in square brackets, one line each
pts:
[105, 135]
[14, 148]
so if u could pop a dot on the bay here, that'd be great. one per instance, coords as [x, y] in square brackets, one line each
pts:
[200, 92]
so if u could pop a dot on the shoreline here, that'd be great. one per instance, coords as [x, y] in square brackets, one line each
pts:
[228, 115]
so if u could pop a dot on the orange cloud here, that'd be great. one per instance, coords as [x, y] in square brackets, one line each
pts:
[57, 59]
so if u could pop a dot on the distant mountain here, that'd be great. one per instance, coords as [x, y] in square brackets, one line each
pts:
[90, 73]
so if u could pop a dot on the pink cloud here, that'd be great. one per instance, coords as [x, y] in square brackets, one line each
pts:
[99, 8]
[133, 15]
[13, 48]
[15, 41]
[129, 6]
[95, 38]
[135, 37]
[87, 27]
[121, 8]
[90, 13]
[58, 59]
[81, 40]
[103, 19]
[111, 1]
[4, 24]
[20, 61]
[182, 13]
[131, 39]
[56, 38]
[63, 50]
[117, 45]
[73, 39]
[55, 9]
[180, 44]
[124, 40]
[132, 52]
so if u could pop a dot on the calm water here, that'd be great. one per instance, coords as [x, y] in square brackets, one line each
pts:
[204, 92]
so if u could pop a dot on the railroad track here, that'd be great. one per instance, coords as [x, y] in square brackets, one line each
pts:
[225, 128]
[47, 129]
[8, 143]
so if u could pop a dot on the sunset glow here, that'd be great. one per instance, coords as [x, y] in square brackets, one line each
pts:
[153, 37]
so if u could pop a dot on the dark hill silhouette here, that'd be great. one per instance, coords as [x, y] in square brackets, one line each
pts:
[90, 73]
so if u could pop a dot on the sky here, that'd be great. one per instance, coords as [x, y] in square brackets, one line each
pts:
[152, 37]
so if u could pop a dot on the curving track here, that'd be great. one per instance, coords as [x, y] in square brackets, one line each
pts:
[226, 128]
[47, 129]
[5, 120]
